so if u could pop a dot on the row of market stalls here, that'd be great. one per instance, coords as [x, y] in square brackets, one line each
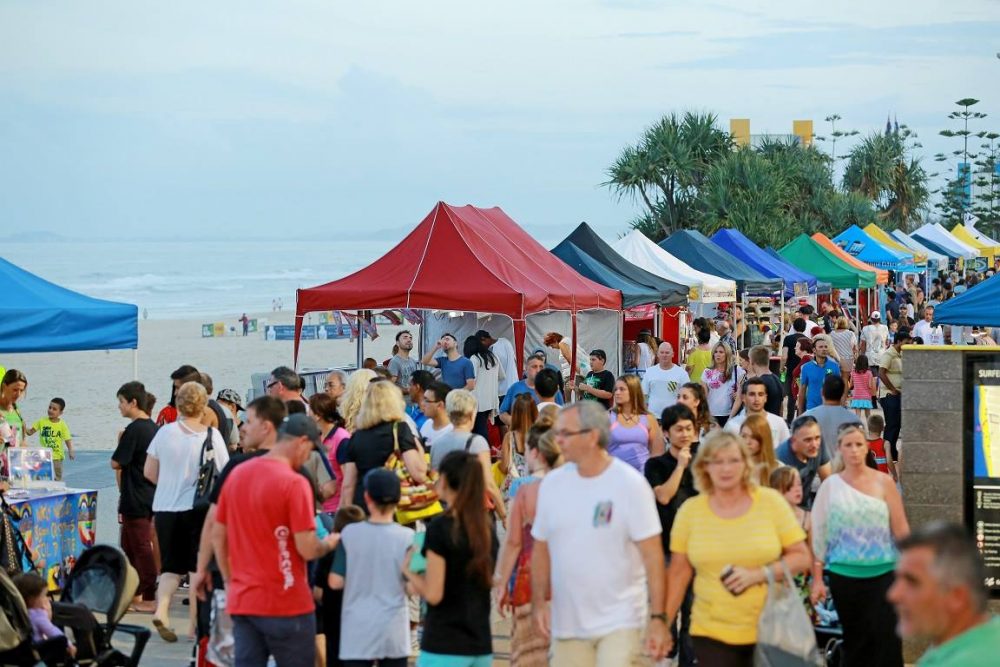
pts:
[470, 268]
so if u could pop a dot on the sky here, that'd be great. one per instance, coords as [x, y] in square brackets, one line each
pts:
[324, 119]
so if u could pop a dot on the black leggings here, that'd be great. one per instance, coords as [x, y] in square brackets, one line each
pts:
[869, 621]
[713, 653]
[892, 410]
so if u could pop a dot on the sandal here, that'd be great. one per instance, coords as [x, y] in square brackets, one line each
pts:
[166, 634]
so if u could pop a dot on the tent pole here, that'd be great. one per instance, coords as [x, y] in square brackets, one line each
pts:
[573, 360]
[135, 364]
[361, 343]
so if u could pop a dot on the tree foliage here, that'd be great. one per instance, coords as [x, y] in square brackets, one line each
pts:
[882, 169]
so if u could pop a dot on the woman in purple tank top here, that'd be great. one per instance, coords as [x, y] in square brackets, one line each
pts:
[635, 432]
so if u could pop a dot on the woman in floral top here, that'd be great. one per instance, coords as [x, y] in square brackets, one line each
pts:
[721, 382]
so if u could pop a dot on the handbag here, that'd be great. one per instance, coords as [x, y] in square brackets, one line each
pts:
[207, 473]
[416, 500]
[785, 635]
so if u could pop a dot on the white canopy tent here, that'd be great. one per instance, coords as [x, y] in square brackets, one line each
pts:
[935, 259]
[645, 254]
[938, 234]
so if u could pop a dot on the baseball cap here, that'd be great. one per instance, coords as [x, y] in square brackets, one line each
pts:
[538, 352]
[230, 396]
[301, 425]
[876, 315]
[382, 486]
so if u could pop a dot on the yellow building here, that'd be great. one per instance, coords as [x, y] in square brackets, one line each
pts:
[739, 128]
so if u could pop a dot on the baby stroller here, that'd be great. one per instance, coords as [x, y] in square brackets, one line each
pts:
[16, 647]
[97, 594]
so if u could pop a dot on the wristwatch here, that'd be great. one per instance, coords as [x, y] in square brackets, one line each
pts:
[658, 617]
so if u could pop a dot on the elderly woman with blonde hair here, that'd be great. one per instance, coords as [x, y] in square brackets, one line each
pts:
[380, 430]
[725, 538]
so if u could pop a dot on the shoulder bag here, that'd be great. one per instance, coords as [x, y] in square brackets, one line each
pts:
[416, 500]
[208, 472]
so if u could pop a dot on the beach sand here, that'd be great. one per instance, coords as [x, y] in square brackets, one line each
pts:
[88, 380]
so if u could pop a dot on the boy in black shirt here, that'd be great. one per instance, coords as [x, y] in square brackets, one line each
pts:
[670, 476]
[599, 383]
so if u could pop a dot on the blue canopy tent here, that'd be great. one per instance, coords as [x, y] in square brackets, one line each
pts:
[697, 251]
[821, 287]
[633, 294]
[859, 244]
[797, 283]
[39, 316]
[976, 307]
[939, 249]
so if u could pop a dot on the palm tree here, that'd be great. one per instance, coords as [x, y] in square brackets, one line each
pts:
[882, 169]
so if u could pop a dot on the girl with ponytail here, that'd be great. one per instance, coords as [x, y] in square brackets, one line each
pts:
[460, 548]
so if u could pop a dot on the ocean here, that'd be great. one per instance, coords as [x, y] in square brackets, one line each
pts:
[184, 279]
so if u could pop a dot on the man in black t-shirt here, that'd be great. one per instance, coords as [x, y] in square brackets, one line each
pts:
[790, 360]
[135, 505]
[670, 476]
[760, 360]
[600, 382]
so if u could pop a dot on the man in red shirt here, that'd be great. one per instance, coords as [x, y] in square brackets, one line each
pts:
[265, 532]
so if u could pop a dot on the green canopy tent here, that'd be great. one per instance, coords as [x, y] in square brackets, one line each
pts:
[810, 256]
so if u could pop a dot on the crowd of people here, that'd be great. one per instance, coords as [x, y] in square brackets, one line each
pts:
[616, 521]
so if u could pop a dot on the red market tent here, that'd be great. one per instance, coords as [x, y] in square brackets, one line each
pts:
[463, 258]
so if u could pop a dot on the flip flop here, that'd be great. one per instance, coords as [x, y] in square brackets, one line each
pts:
[166, 634]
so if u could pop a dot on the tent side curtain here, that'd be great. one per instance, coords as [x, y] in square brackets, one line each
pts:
[40, 316]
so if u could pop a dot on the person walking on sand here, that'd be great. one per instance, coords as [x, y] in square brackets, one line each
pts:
[245, 321]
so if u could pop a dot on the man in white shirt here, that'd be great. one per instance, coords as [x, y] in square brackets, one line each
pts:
[432, 405]
[596, 522]
[661, 383]
[754, 400]
[931, 335]
[874, 340]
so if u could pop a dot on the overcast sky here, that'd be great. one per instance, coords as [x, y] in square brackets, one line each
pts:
[252, 118]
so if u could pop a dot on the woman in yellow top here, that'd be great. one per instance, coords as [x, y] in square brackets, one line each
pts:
[724, 538]
[700, 357]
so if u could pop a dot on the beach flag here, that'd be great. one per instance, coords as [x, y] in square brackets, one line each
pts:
[392, 316]
[412, 316]
[368, 326]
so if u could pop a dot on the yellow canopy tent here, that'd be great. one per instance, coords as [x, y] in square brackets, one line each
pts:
[985, 250]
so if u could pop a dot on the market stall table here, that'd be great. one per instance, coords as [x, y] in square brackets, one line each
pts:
[57, 525]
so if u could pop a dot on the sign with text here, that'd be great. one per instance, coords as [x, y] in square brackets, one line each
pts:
[57, 527]
[982, 462]
[309, 331]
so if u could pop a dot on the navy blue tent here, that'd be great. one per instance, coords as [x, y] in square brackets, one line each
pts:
[633, 294]
[39, 316]
[697, 251]
[931, 245]
[587, 240]
[976, 307]
[797, 283]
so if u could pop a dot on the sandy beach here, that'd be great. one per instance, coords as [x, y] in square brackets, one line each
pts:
[88, 380]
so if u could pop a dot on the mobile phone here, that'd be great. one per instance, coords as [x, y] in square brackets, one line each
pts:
[726, 571]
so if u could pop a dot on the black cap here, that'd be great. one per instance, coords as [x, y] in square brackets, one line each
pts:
[382, 486]
[301, 425]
